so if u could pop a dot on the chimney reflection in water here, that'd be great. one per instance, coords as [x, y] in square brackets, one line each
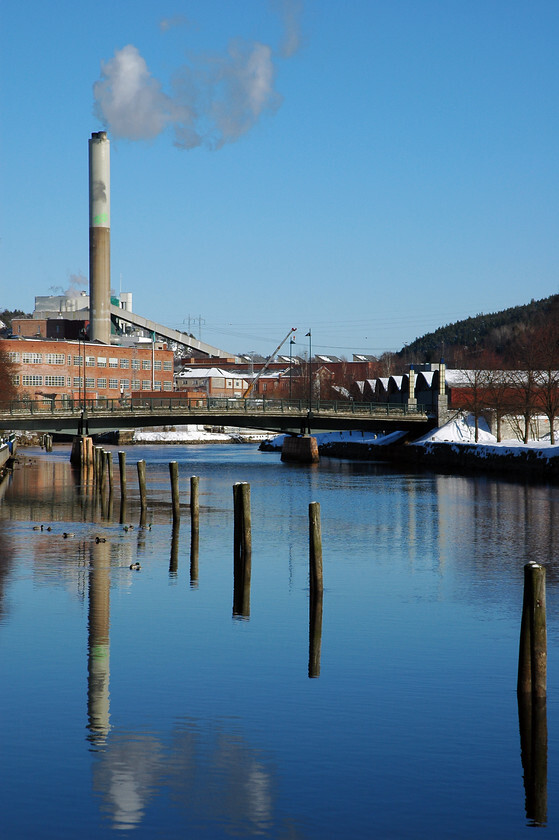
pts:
[98, 669]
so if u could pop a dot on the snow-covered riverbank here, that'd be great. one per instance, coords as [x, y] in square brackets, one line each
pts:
[199, 434]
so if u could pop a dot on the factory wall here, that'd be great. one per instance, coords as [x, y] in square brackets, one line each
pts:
[55, 369]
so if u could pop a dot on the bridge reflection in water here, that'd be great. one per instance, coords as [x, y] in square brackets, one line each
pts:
[69, 416]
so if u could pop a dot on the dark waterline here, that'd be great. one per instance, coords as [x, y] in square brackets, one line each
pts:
[135, 701]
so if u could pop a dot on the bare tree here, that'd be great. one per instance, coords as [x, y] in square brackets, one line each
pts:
[546, 340]
[7, 371]
[473, 386]
[499, 397]
[525, 380]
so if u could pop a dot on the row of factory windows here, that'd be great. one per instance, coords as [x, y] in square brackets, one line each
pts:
[77, 382]
[90, 361]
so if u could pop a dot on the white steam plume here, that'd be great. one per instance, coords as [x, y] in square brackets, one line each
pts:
[77, 284]
[170, 23]
[290, 12]
[214, 100]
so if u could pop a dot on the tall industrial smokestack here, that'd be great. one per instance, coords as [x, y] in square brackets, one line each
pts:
[99, 238]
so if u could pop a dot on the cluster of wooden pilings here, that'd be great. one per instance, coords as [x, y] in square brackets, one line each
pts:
[82, 451]
[101, 463]
[532, 693]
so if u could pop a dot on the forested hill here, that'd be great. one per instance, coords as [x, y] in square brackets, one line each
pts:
[495, 333]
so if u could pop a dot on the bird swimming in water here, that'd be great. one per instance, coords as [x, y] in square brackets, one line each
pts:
[100, 539]
[135, 566]
[66, 535]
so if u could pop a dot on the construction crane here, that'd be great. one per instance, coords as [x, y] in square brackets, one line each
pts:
[268, 363]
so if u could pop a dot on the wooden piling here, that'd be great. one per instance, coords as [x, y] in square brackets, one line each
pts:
[316, 589]
[246, 523]
[142, 483]
[102, 469]
[98, 466]
[242, 549]
[194, 502]
[109, 462]
[122, 471]
[315, 549]
[174, 474]
[532, 658]
[194, 529]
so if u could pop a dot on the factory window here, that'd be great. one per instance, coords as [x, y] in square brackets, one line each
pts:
[78, 360]
[59, 381]
[78, 382]
[157, 386]
[90, 361]
[69, 381]
[229, 383]
[124, 363]
[146, 384]
[89, 382]
[146, 364]
[238, 383]
[157, 365]
[31, 380]
[167, 386]
[69, 359]
[113, 383]
[113, 363]
[168, 365]
[135, 384]
[55, 358]
[101, 361]
[135, 364]
[125, 383]
[15, 379]
[102, 383]
[32, 358]
[13, 357]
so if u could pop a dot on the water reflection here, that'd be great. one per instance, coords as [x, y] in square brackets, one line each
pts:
[532, 718]
[315, 633]
[207, 767]
[98, 664]
[447, 538]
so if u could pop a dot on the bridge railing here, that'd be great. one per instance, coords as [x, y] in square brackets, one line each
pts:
[204, 405]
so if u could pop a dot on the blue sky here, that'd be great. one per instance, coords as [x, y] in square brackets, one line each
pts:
[370, 170]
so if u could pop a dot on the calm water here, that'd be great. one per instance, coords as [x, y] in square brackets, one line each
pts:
[135, 703]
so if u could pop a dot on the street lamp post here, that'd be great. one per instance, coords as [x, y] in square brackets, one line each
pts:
[291, 343]
[309, 336]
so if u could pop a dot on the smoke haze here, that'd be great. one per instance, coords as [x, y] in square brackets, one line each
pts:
[214, 99]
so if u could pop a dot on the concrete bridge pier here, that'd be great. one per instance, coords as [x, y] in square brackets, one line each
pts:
[82, 451]
[301, 448]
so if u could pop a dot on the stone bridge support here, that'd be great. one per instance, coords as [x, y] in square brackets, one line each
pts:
[301, 448]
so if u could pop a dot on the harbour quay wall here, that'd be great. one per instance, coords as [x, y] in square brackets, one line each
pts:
[520, 462]
[462, 458]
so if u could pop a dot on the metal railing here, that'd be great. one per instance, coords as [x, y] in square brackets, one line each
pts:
[205, 405]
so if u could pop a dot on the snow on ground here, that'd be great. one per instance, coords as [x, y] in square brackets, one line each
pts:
[459, 430]
[462, 430]
[198, 434]
[344, 437]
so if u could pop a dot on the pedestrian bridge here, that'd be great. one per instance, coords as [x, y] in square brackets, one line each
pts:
[67, 416]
